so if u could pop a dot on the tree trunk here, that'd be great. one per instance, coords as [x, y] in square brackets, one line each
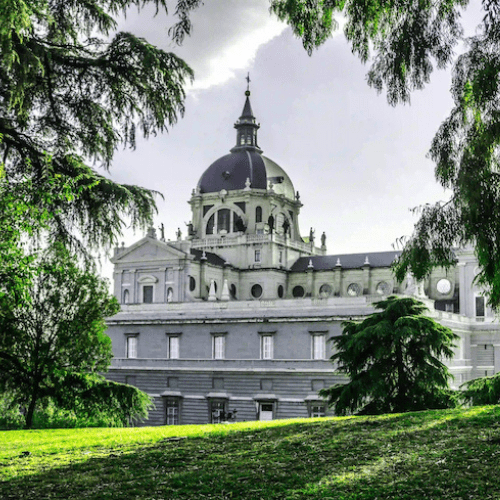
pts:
[401, 383]
[31, 408]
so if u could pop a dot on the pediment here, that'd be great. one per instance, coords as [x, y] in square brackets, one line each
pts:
[147, 250]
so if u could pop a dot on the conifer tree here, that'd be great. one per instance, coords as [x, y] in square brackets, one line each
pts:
[71, 92]
[393, 359]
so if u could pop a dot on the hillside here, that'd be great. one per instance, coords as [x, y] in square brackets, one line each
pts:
[453, 454]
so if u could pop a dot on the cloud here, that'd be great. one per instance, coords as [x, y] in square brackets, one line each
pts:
[225, 38]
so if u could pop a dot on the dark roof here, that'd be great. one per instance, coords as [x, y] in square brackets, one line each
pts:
[231, 172]
[347, 261]
[247, 110]
[212, 258]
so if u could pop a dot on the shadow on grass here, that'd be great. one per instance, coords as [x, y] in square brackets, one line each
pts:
[434, 455]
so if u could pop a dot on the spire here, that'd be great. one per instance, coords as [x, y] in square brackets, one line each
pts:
[246, 126]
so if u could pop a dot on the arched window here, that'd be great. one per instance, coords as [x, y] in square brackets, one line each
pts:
[192, 284]
[298, 292]
[126, 296]
[258, 214]
[281, 291]
[170, 295]
[223, 220]
[210, 225]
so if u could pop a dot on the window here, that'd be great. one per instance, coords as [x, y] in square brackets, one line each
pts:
[219, 347]
[173, 347]
[232, 291]
[131, 347]
[257, 255]
[170, 295]
[354, 290]
[147, 294]
[298, 292]
[126, 296]
[281, 291]
[256, 291]
[318, 346]
[258, 214]
[223, 220]
[192, 284]
[217, 412]
[479, 307]
[325, 290]
[317, 409]
[266, 347]
[280, 259]
[210, 225]
[173, 407]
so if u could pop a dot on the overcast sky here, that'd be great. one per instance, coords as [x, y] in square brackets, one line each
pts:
[359, 164]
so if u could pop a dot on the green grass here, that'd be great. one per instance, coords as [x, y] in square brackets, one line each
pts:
[452, 454]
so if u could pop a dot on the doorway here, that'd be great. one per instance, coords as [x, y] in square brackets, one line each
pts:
[266, 411]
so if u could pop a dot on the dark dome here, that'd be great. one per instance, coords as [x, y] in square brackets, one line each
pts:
[231, 172]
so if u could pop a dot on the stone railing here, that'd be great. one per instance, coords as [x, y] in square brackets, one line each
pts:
[238, 239]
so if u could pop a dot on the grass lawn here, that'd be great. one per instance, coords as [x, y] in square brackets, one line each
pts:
[452, 454]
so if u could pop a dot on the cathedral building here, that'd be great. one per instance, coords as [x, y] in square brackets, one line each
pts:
[232, 322]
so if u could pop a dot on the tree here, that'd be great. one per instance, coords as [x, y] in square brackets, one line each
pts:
[393, 360]
[57, 330]
[71, 93]
[404, 40]
[482, 391]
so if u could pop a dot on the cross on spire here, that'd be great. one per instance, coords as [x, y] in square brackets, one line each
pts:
[247, 78]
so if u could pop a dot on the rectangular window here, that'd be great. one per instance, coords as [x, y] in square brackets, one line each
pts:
[217, 412]
[173, 347]
[480, 307]
[267, 347]
[172, 411]
[219, 347]
[131, 347]
[318, 346]
[257, 255]
[281, 257]
[317, 410]
[147, 294]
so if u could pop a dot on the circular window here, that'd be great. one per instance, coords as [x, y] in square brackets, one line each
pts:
[353, 290]
[383, 288]
[325, 290]
[232, 290]
[192, 284]
[256, 291]
[281, 291]
[443, 286]
[298, 292]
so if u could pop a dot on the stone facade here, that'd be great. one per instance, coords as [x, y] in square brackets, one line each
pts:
[233, 321]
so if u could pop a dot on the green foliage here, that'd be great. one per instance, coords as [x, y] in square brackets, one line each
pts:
[482, 391]
[466, 150]
[92, 397]
[311, 21]
[56, 327]
[72, 91]
[80, 400]
[393, 360]
[404, 40]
